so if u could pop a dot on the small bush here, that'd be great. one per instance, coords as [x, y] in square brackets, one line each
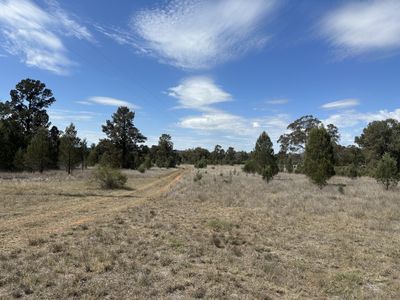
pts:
[250, 166]
[109, 178]
[267, 173]
[201, 164]
[142, 168]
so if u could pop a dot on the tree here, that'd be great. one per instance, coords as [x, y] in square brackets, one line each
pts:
[289, 164]
[386, 171]
[11, 139]
[230, 156]
[319, 157]
[69, 147]
[28, 104]
[166, 157]
[295, 141]
[37, 153]
[83, 153]
[54, 147]
[264, 157]
[123, 134]
[381, 137]
[217, 155]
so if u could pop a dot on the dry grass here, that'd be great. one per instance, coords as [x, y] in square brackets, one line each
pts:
[226, 235]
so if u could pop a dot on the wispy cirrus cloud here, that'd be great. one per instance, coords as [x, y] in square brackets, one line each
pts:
[363, 26]
[35, 34]
[108, 101]
[195, 34]
[341, 104]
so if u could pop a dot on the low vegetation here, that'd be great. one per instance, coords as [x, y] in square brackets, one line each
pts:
[229, 235]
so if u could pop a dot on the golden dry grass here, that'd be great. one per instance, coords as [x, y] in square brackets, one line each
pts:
[228, 236]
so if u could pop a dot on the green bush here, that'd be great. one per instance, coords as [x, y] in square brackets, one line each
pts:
[386, 171]
[201, 164]
[142, 168]
[109, 178]
[268, 173]
[250, 166]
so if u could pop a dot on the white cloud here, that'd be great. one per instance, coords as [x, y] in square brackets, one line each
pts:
[340, 104]
[198, 34]
[108, 101]
[359, 27]
[198, 93]
[34, 34]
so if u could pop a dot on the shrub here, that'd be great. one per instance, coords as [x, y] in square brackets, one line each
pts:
[201, 164]
[386, 171]
[142, 168]
[147, 163]
[319, 157]
[109, 178]
[268, 173]
[250, 166]
[289, 165]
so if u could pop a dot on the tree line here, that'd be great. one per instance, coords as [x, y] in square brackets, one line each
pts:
[28, 141]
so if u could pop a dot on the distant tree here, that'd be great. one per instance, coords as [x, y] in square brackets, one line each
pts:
[83, 153]
[11, 139]
[230, 156]
[166, 157]
[37, 153]
[264, 157]
[93, 157]
[123, 134]
[19, 160]
[381, 137]
[300, 129]
[69, 148]
[217, 155]
[289, 164]
[319, 157]
[28, 104]
[54, 147]
[386, 171]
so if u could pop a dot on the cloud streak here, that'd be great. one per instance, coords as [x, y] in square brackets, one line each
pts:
[193, 34]
[341, 104]
[108, 101]
[363, 26]
[35, 34]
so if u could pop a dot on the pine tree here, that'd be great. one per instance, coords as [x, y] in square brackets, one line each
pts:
[122, 133]
[386, 171]
[37, 153]
[319, 156]
[166, 157]
[69, 148]
[264, 157]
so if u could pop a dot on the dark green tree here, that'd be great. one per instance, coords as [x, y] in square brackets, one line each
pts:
[54, 147]
[319, 157]
[386, 171]
[11, 139]
[289, 164]
[69, 148]
[378, 138]
[123, 134]
[217, 155]
[28, 104]
[264, 157]
[83, 153]
[230, 156]
[166, 156]
[37, 153]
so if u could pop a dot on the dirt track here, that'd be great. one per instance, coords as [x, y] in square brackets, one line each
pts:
[55, 209]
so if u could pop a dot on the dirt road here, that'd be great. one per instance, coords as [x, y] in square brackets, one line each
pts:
[32, 210]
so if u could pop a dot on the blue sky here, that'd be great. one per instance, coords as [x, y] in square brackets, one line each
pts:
[207, 71]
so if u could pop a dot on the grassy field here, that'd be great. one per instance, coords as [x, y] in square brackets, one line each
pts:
[214, 233]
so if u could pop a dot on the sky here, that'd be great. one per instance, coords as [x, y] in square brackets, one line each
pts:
[207, 71]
